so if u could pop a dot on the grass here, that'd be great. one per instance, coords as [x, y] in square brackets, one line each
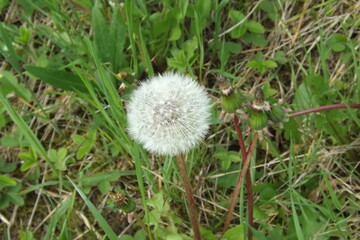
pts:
[67, 72]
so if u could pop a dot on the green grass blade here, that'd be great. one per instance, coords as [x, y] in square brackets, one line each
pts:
[139, 176]
[117, 40]
[12, 58]
[56, 218]
[145, 53]
[129, 20]
[97, 215]
[19, 121]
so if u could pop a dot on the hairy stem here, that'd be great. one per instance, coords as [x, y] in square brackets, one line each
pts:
[236, 192]
[189, 196]
[248, 177]
[324, 108]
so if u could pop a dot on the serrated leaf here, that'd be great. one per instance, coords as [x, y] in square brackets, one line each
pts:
[58, 78]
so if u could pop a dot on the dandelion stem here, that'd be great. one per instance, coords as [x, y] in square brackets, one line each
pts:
[189, 196]
[236, 192]
[248, 176]
[324, 108]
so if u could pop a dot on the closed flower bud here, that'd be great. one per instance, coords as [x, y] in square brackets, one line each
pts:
[276, 114]
[257, 120]
[231, 102]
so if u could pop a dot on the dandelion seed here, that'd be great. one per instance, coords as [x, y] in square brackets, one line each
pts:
[169, 114]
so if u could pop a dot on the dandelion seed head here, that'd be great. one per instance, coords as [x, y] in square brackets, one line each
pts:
[169, 114]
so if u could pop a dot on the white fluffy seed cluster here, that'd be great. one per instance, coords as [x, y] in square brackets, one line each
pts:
[169, 114]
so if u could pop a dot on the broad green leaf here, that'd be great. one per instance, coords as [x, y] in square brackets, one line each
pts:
[16, 198]
[3, 3]
[7, 181]
[337, 42]
[235, 233]
[268, 91]
[280, 57]
[78, 139]
[140, 235]
[231, 155]
[100, 177]
[254, 27]
[228, 180]
[2, 120]
[269, 64]
[104, 187]
[88, 144]
[58, 78]
[30, 159]
[26, 235]
[271, 7]
[9, 83]
[240, 30]
[292, 130]
[25, 34]
[175, 33]
[207, 234]
[255, 38]
[126, 237]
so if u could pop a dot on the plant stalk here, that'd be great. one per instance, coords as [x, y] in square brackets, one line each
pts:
[236, 192]
[249, 188]
[324, 108]
[189, 196]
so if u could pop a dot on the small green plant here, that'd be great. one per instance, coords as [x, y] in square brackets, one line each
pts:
[10, 189]
[260, 64]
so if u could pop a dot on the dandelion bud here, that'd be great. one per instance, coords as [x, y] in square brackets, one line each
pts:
[231, 102]
[257, 120]
[276, 114]
[169, 114]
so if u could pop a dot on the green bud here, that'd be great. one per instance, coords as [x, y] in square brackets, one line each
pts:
[257, 120]
[231, 102]
[276, 114]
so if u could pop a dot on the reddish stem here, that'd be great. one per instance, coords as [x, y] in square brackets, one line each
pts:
[324, 108]
[189, 196]
[248, 177]
[236, 192]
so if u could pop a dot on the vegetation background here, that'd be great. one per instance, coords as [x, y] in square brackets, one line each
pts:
[67, 71]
